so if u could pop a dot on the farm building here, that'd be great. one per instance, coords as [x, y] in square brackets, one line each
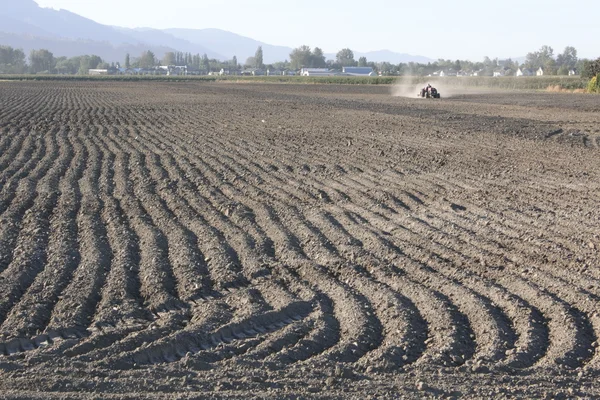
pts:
[540, 72]
[177, 70]
[359, 71]
[524, 72]
[449, 72]
[253, 72]
[572, 72]
[316, 72]
[97, 72]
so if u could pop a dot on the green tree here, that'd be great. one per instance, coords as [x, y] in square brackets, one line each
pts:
[540, 58]
[94, 61]
[63, 66]
[250, 62]
[12, 61]
[385, 68]
[205, 63]
[362, 62]
[567, 60]
[590, 69]
[84, 65]
[345, 58]
[169, 58]
[234, 62]
[317, 59]
[147, 60]
[127, 61]
[258, 58]
[301, 57]
[41, 61]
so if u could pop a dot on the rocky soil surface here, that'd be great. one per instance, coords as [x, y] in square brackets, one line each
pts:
[236, 240]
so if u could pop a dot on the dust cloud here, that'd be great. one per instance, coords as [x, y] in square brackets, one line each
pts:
[410, 86]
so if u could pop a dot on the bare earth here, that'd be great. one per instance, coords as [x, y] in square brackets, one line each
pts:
[220, 240]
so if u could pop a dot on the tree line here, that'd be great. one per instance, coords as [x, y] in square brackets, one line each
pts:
[14, 61]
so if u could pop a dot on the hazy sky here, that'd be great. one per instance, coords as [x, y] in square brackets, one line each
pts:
[465, 29]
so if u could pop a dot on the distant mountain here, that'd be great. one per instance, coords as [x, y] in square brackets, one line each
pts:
[385, 55]
[25, 25]
[391, 57]
[230, 44]
[71, 48]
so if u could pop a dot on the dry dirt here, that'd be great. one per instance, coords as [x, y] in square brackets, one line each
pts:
[220, 240]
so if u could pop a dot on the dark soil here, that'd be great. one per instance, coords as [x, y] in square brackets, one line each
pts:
[229, 240]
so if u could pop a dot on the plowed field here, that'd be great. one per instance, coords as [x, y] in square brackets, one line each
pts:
[164, 240]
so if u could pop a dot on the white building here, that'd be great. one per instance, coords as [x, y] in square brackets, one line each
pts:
[524, 72]
[359, 71]
[316, 72]
[97, 72]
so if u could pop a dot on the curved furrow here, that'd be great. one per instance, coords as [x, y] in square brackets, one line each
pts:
[228, 214]
[156, 280]
[324, 334]
[221, 210]
[587, 303]
[19, 155]
[8, 139]
[204, 316]
[112, 344]
[218, 219]
[121, 303]
[488, 309]
[240, 166]
[32, 314]
[9, 187]
[575, 336]
[221, 259]
[234, 221]
[277, 293]
[30, 256]
[30, 104]
[323, 337]
[298, 186]
[246, 304]
[534, 252]
[481, 307]
[224, 268]
[48, 150]
[309, 234]
[42, 180]
[577, 308]
[319, 248]
[451, 336]
[570, 332]
[361, 332]
[404, 328]
[187, 263]
[512, 221]
[534, 260]
[197, 342]
[512, 315]
[77, 305]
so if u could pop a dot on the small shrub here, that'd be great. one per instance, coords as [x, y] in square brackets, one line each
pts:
[594, 85]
